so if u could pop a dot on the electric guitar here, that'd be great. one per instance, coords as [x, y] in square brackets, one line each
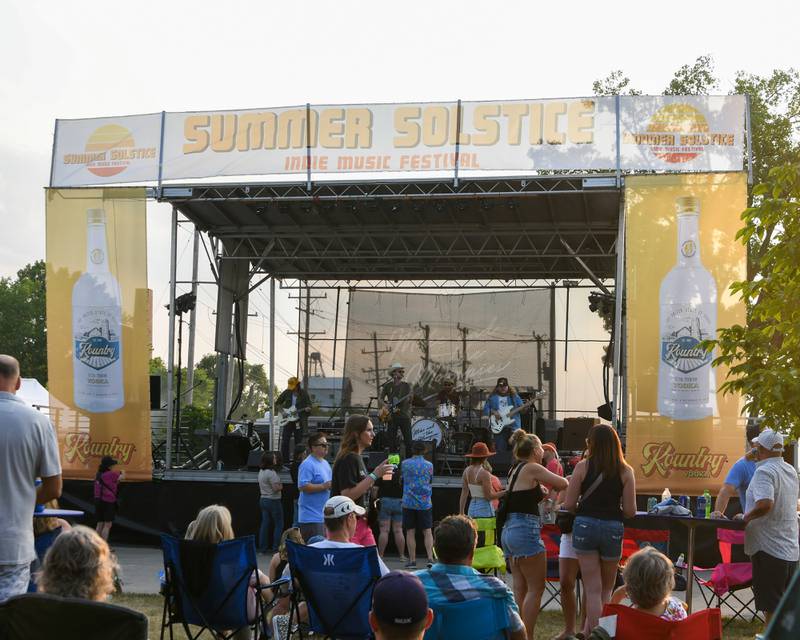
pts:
[290, 414]
[507, 415]
[394, 407]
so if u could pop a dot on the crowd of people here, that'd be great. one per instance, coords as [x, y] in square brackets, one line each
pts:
[332, 511]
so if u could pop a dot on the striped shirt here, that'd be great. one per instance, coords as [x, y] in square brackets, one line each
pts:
[448, 583]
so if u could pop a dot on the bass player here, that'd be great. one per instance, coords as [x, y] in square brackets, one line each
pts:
[503, 399]
[396, 397]
[293, 402]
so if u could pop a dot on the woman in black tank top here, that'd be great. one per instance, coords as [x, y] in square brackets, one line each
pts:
[521, 535]
[601, 492]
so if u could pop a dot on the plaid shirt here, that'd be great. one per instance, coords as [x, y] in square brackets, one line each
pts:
[447, 583]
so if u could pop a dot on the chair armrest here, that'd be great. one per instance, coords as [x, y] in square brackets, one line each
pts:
[280, 582]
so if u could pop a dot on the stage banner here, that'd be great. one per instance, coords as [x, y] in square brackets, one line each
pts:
[679, 133]
[106, 150]
[99, 329]
[681, 258]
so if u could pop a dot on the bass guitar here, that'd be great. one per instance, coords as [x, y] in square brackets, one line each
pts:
[507, 415]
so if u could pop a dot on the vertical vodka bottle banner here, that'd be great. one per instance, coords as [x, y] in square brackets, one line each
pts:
[97, 326]
[687, 316]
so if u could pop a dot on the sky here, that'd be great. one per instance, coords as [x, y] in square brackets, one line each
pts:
[86, 59]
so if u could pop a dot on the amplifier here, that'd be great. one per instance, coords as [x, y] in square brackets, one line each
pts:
[233, 451]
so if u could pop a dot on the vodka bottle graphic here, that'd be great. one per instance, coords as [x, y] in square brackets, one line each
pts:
[97, 326]
[687, 315]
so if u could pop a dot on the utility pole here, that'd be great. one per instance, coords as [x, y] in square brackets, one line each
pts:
[426, 350]
[464, 362]
[376, 371]
[307, 333]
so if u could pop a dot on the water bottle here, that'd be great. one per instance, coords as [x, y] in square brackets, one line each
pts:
[652, 501]
[707, 497]
[700, 508]
[665, 495]
[680, 562]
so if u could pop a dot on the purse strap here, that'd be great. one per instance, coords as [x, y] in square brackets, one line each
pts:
[594, 486]
[516, 475]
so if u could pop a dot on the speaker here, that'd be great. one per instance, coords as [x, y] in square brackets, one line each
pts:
[155, 391]
[573, 434]
[254, 459]
[233, 451]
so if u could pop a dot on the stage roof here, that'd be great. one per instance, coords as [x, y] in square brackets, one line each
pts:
[521, 229]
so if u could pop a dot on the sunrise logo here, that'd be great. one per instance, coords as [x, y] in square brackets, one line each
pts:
[109, 150]
[678, 133]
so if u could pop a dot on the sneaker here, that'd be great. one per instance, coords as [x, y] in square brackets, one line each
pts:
[411, 564]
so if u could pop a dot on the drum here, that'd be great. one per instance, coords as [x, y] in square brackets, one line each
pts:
[446, 410]
[427, 429]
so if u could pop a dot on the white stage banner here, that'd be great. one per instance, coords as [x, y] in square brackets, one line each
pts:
[106, 150]
[677, 133]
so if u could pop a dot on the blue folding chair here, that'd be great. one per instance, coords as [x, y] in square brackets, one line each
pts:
[337, 585]
[207, 585]
[478, 619]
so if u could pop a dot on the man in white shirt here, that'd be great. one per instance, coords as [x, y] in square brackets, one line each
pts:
[28, 450]
[771, 536]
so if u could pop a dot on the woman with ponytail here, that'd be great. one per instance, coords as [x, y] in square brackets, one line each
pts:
[521, 538]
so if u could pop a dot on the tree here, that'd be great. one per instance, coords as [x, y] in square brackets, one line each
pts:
[764, 356]
[23, 326]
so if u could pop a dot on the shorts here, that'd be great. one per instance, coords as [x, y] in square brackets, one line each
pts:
[522, 536]
[14, 580]
[417, 518]
[480, 508]
[363, 534]
[590, 535]
[105, 511]
[771, 577]
[566, 550]
[391, 509]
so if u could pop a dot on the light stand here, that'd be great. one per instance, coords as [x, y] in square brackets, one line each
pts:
[183, 304]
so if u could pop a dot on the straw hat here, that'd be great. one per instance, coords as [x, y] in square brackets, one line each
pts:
[479, 450]
[395, 366]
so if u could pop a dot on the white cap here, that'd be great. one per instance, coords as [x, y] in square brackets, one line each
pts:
[770, 440]
[340, 506]
[395, 366]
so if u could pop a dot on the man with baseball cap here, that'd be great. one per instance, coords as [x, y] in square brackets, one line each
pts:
[771, 536]
[399, 608]
[294, 401]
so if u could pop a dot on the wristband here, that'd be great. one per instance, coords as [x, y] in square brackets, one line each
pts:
[373, 476]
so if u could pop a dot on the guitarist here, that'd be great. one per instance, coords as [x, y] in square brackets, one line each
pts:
[396, 396]
[503, 399]
[293, 397]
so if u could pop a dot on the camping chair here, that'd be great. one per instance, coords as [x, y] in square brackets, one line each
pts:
[729, 578]
[488, 556]
[41, 543]
[337, 585]
[635, 539]
[632, 624]
[785, 623]
[208, 585]
[41, 615]
[478, 619]
[551, 536]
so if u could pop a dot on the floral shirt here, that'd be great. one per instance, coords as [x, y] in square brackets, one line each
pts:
[674, 610]
[417, 478]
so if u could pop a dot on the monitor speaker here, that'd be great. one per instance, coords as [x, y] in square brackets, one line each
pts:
[155, 392]
[254, 459]
[574, 433]
[233, 451]
[501, 462]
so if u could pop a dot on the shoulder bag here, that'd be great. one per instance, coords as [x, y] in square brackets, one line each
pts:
[501, 515]
[565, 519]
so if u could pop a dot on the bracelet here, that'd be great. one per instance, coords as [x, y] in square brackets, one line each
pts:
[373, 476]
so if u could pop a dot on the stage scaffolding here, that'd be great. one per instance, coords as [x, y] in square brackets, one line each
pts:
[468, 233]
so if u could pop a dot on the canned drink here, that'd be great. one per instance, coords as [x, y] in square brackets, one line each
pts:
[685, 501]
[651, 502]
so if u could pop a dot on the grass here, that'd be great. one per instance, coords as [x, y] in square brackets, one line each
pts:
[549, 624]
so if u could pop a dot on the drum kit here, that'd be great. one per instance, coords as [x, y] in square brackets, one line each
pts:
[439, 429]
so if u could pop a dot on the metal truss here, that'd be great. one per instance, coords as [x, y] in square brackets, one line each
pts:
[396, 188]
[433, 284]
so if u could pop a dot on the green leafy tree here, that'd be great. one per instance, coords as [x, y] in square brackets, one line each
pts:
[23, 328]
[764, 355]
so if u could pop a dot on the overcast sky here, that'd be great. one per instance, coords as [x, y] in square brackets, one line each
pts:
[91, 58]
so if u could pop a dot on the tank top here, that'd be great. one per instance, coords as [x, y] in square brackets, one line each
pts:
[604, 502]
[475, 489]
[525, 500]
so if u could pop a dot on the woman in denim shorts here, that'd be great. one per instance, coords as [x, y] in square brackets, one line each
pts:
[597, 532]
[521, 536]
[390, 515]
